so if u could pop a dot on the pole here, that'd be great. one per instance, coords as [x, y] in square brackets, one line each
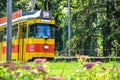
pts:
[33, 4]
[69, 26]
[9, 30]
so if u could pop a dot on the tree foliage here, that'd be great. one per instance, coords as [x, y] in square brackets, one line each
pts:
[95, 23]
[94, 20]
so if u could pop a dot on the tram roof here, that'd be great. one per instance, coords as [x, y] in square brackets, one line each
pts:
[26, 16]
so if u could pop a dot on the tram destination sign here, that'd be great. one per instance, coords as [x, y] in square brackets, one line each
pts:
[45, 14]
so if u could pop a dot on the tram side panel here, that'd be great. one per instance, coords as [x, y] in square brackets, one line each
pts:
[36, 48]
[0, 51]
[1, 38]
[15, 49]
[4, 51]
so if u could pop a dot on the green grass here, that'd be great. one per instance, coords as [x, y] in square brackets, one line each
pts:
[67, 70]
[61, 68]
[75, 70]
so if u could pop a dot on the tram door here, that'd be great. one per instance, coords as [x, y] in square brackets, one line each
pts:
[22, 38]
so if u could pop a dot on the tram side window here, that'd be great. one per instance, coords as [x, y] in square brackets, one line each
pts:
[23, 30]
[14, 31]
[5, 34]
[32, 31]
[1, 36]
[52, 31]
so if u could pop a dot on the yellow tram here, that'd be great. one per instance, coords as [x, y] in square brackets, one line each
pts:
[32, 35]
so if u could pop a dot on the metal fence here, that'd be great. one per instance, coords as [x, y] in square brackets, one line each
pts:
[89, 52]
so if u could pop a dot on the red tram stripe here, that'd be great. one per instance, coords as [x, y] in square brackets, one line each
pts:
[14, 49]
[39, 48]
[31, 48]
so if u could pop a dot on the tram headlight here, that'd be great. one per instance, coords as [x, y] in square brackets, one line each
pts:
[46, 47]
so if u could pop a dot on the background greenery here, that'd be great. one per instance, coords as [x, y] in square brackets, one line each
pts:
[95, 23]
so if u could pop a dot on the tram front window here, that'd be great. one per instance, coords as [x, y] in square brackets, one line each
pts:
[40, 31]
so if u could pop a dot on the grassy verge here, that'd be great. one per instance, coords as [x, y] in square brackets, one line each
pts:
[61, 68]
[44, 70]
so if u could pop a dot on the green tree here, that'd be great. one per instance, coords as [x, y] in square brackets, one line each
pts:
[92, 21]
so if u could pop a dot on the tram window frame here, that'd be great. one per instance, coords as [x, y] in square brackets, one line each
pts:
[30, 35]
[32, 31]
[1, 35]
[5, 34]
[14, 31]
[23, 29]
[53, 31]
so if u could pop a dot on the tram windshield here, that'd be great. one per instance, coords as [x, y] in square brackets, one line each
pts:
[40, 31]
